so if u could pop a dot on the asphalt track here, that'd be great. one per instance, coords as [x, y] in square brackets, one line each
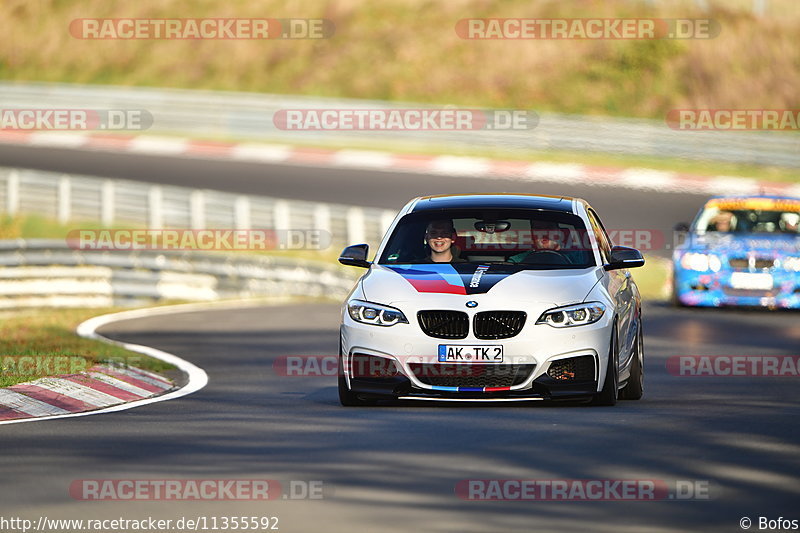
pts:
[395, 468]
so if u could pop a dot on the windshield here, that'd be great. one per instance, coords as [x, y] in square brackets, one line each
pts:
[761, 216]
[531, 238]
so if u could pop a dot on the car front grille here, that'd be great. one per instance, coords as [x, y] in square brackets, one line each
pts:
[762, 264]
[498, 324]
[739, 263]
[753, 293]
[471, 375]
[743, 263]
[444, 324]
[572, 369]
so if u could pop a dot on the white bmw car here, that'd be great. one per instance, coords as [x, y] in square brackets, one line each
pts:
[493, 297]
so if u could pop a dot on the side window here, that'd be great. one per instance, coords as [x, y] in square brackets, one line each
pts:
[601, 236]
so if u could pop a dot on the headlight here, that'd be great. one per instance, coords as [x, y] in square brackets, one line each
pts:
[375, 314]
[573, 315]
[792, 263]
[701, 262]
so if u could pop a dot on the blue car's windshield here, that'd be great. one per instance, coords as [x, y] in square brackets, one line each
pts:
[739, 219]
[530, 238]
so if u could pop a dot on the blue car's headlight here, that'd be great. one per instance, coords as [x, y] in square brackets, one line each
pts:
[375, 314]
[701, 262]
[791, 263]
[573, 315]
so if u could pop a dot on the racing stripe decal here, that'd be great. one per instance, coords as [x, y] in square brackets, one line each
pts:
[469, 389]
[441, 278]
[454, 278]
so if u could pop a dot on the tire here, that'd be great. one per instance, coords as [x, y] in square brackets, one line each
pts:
[608, 395]
[634, 389]
[347, 397]
[674, 300]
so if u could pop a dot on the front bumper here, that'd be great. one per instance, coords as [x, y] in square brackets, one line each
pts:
[401, 387]
[715, 289]
[409, 369]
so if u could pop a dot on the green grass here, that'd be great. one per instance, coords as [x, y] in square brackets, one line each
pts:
[652, 278]
[42, 342]
[37, 227]
[34, 226]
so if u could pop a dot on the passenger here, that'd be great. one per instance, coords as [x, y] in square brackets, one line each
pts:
[790, 222]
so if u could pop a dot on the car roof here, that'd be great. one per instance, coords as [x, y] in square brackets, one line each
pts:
[753, 197]
[494, 201]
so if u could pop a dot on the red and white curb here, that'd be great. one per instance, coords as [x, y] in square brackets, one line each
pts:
[102, 389]
[100, 386]
[570, 174]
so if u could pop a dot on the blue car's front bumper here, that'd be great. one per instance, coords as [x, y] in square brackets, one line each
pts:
[714, 289]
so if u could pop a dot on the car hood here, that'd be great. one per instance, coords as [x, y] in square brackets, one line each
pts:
[402, 283]
[728, 244]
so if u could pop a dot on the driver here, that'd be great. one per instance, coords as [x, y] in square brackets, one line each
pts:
[547, 241]
[722, 221]
[546, 235]
[439, 236]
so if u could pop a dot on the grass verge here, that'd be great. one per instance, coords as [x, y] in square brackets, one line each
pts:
[408, 50]
[42, 342]
[652, 278]
[600, 159]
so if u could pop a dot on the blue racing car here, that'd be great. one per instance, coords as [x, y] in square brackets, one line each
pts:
[740, 251]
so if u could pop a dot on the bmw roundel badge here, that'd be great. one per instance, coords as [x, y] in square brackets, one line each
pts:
[472, 303]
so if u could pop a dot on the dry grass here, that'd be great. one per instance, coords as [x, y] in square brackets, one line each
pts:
[408, 50]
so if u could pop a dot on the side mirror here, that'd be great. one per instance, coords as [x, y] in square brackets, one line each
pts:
[681, 227]
[680, 234]
[355, 255]
[624, 257]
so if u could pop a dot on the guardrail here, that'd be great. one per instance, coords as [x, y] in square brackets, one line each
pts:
[249, 116]
[74, 198]
[47, 273]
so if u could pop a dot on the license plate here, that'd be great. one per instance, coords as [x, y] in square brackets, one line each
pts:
[751, 280]
[460, 353]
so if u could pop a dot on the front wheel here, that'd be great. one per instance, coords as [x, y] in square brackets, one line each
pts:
[675, 299]
[634, 388]
[347, 397]
[608, 395]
